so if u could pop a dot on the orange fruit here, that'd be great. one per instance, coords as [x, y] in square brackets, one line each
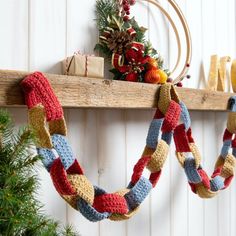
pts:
[152, 64]
[152, 76]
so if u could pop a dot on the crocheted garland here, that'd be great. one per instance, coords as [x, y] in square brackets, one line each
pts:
[95, 203]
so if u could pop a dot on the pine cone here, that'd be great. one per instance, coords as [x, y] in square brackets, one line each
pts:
[119, 41]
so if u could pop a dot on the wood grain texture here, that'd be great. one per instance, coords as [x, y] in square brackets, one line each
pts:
[75, 91]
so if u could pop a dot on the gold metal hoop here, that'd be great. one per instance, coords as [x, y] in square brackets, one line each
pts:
[188, 59]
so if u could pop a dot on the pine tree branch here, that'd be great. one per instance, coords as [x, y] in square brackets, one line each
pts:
[20, 211]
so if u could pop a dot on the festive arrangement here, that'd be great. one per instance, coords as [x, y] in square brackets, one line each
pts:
[123, 41]
[94, 202]
[21, 213]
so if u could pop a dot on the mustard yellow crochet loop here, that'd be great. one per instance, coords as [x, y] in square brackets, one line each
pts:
[167, 93]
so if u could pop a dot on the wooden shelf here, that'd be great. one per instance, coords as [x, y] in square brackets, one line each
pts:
[82, 92]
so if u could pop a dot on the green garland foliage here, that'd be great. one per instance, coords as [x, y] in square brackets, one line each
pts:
[20, 212]
[104, 10]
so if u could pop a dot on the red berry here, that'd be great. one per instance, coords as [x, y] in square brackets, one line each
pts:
[125, 2]
[188, 76]
[126, 18]
[179, 84]
[169, 80]
[128, 13]
[126, 7]
[132, 2]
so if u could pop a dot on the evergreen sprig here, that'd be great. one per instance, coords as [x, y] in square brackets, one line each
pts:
[104, 10]
[20, 212]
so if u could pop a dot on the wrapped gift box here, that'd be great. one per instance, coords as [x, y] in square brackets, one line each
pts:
[84, 65]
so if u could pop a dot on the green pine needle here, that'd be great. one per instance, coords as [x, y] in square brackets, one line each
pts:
[104, 10]
[20, 212]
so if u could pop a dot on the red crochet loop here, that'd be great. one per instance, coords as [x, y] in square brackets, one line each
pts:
[217, 172]
[59, 178]
[138, 169]
[75, 168]
[181, 139]
[154, 178]
[205, 178]
[228, 181]
[112, 203]
[38, 90]
[227, 135]
[32, 99]
[193, 187]
[171, 117]
[158, 115]
[234, 142]
[189, 135]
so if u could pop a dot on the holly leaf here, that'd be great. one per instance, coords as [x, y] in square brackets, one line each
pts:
[116, 23]
[114, 71]
[143, 29]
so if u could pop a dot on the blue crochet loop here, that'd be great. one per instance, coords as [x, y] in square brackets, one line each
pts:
[232, 104]
[185, 117]
[217, 183]
[191, 171]
[153, 133]
[48, 157]
[64, 150]
[138, 193]
[89, 212]
[167, 137]
[225, 149]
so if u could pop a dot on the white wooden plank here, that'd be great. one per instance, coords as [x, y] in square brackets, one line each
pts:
[195, 204]
[82, 30]
[178, 186]
[82, 123]
[111, 160]
[232, 208]
[173, 42]
[223, 48]
[210, 155]
[135, 138]
[158, 29]
[179, 196]
[46, 49]
[47, 35]
[82, 134]
[195, 25]
[224, 206]
[14, 34]
[209, 33]
[209, 47]
[135, 143]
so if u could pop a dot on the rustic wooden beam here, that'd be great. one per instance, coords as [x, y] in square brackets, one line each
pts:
[82, 92]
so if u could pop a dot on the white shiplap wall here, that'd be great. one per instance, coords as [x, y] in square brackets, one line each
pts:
[38, 34]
